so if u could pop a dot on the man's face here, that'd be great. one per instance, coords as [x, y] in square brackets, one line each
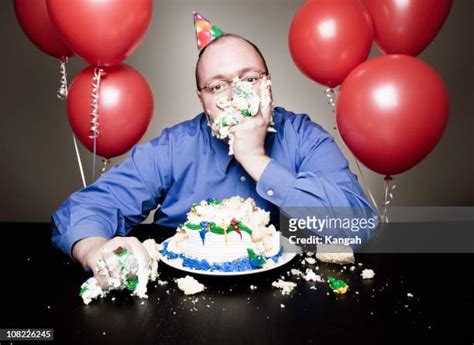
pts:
[229, 58]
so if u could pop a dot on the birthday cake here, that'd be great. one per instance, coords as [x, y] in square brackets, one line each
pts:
[225, 235]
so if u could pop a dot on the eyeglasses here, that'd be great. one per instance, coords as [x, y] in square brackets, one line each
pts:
[219, 86]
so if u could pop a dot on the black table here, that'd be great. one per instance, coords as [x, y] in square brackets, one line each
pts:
[40, 290]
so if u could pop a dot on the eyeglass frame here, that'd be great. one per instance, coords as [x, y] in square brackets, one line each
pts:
[229, 82]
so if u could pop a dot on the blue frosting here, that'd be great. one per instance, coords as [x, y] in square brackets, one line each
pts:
[240, 265]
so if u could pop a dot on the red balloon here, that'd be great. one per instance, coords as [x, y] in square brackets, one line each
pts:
[125, 109]
[391, 112]
[328, 39]
[34, 20]
[101, 32]
[408, 26]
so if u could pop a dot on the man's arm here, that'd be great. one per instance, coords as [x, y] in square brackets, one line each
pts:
[323, 179]
[119, 199]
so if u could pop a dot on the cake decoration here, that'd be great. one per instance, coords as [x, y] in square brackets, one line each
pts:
[337, 286]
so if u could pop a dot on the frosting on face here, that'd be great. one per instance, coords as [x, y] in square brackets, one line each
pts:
[244, 103]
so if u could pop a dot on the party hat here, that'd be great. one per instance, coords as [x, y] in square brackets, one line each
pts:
[206, 32]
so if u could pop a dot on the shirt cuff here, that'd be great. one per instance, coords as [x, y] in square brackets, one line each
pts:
[275, 183]
[79, 232]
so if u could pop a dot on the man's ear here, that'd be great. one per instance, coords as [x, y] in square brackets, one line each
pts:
[198, 93]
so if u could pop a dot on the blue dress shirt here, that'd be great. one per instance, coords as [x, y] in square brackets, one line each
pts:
[186, 164]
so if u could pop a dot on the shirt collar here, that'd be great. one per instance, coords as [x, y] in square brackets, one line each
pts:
[220, 148]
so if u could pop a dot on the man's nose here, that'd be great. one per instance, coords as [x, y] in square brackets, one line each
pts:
[230, 93]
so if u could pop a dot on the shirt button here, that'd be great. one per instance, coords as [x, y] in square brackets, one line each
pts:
[242, 178]
[270, 192]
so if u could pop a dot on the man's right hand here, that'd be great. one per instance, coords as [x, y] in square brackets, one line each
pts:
[89, 250]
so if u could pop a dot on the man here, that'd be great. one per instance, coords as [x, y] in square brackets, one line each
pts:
[298, 165]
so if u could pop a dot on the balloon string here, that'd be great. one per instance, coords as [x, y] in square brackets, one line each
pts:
[62, 95]
[106, 163]
[98, 72]
[390, 186]
[331, 94]
[78, 156]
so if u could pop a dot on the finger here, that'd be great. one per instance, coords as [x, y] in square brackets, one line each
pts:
[265, 100]
[247, 123]
[140, 252]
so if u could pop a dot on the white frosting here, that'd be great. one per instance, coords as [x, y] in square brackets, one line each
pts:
[367, 273]
[245, 102]
[286, 287]
[311, 276]
[115, 269]
[91, 290]
[218, 248]
[189, 285]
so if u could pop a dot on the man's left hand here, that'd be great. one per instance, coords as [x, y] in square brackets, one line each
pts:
[249, 135]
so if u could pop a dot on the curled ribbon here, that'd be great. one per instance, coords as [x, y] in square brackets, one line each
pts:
[331, 96]
[63, 89]
[106, 163]
[98, 73]
[62, 94]
[388, 195]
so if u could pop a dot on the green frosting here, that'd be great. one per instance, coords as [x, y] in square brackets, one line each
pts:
[246, 112]
[213, 201]
[336, 284]
[83, 290]
[217, 229]
[131, 281]
[255, 260]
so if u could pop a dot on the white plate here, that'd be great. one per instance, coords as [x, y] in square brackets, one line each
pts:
[284, 259]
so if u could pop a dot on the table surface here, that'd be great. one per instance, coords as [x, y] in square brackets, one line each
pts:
[42, 286]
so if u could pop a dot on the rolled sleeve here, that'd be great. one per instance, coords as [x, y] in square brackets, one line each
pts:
[66, 239]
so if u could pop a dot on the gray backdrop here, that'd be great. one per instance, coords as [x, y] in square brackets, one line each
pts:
[39, 167]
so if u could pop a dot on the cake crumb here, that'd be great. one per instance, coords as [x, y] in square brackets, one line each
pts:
[286, 287]
[311, 276]
[296, 272]
[189, 285]
[367, 273]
